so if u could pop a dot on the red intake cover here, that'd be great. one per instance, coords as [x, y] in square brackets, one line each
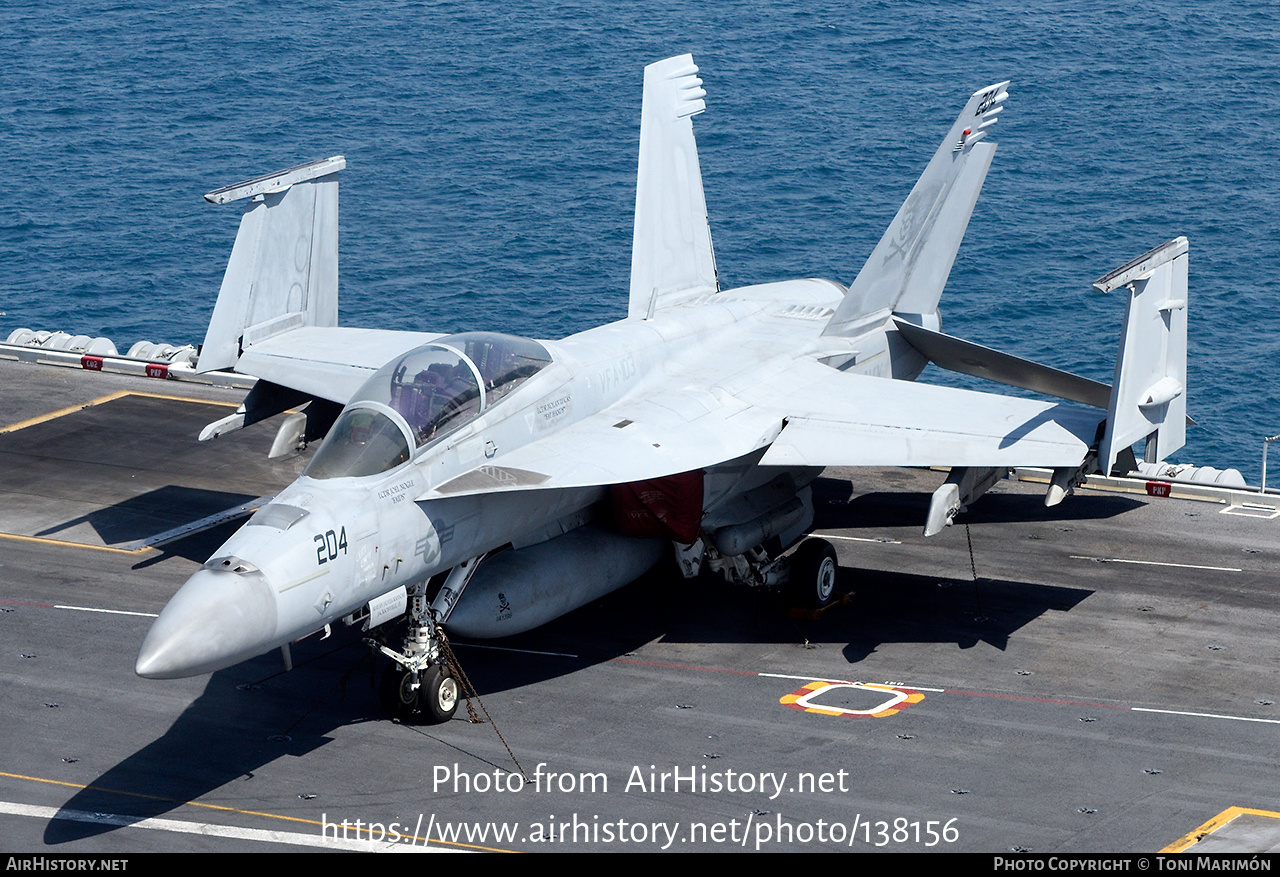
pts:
[667, 508]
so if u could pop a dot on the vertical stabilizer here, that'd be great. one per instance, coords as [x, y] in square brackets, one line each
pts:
[671, 255]
[909, 267]
[283, 271]
[1148, 398]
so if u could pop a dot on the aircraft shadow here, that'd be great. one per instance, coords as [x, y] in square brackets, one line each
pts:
[230, 732]
[226, 735]
[152, 512]
[892, 607]
[197, 547]
[236, 727]
[884, 607]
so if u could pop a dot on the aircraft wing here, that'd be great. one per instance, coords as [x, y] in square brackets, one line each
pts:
[628, 442]
[328, 362]
[805, 414]
[840, 419]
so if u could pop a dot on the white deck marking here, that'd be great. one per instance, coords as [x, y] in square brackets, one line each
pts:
[881, 539]
[895, 684]
[895, 698]
[210, 829]
[1155, 563]
[1135, 709]
[1144, 709]
[108, 611]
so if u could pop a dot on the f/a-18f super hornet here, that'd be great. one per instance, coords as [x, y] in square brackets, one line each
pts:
[484, 484]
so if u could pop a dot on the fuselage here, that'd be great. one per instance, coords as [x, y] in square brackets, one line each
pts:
[341, 535]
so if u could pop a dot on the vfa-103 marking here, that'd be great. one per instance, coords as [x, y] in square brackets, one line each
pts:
[485, 484]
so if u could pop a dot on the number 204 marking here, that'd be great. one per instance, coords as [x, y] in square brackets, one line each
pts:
[329, 544]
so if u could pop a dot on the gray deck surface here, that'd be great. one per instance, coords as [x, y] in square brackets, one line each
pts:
[1069, 704]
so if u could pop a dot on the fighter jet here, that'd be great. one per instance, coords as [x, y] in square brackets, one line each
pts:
[484, 484]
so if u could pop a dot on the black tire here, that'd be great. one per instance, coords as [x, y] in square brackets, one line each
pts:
[438, 695]
[398, 699]
[813, 574]
[435, 700]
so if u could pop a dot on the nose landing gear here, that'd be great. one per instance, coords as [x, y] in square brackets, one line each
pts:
[430, 698]
[420, 686]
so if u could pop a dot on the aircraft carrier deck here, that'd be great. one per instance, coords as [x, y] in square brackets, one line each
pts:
[1099, 677]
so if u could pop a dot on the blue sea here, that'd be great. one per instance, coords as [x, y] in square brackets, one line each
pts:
[491, 153]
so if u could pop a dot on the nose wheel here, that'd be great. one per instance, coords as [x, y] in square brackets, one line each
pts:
[432, 701]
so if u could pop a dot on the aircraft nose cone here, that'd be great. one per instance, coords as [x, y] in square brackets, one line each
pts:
[218, 618]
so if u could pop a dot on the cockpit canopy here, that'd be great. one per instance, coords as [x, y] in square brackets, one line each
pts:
[432, 390]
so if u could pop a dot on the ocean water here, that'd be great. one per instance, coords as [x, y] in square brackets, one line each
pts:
[491, 162]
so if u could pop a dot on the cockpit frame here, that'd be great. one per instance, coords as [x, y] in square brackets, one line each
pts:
[448, 389]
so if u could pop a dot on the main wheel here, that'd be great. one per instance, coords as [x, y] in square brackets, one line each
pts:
[813, 573]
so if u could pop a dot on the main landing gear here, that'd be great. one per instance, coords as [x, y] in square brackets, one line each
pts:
[807, 576]
[813, 574]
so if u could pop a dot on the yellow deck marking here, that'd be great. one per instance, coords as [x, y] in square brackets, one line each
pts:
[171, 398]
[1187, 840]
[63, 412]
[63, 543]
[110, 397]
[316, 822]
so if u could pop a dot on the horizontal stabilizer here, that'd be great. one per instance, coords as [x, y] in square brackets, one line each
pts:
[967, 358]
